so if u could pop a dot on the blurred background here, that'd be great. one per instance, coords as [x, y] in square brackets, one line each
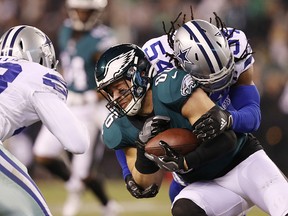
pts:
[265, 23]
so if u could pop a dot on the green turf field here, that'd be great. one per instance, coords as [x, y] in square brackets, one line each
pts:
[55, 194]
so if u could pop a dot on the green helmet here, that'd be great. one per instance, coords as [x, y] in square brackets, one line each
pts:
[126, 61]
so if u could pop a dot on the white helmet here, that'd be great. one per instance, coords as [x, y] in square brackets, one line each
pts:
[203, 51]
[30, 43]
[96, 7]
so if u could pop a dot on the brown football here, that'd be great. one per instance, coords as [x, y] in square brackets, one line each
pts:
[181, 140]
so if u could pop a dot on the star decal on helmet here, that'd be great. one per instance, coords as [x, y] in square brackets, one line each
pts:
[182, 55]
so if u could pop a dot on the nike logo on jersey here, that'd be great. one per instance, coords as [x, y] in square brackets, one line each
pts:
[174, 76]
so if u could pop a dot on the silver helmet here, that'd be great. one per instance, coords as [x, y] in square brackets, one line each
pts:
[203, 51]
[95, 9]
[29, 43]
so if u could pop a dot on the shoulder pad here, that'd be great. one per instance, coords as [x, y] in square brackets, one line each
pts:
[156, 50]
[238, 42]
[241, 50]
[174, 87]
[116, 132]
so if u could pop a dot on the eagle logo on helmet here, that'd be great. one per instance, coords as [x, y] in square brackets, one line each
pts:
[119, 63]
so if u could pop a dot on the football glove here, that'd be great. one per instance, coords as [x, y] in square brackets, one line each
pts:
[151, 128]
[171, 161]
[138, 192]
[212, 123]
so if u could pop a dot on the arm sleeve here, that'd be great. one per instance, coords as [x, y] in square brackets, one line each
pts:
[247, 114]
[123, 163]
[61, 122]
[225, 143]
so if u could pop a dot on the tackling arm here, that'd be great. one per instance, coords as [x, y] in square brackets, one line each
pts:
[61, 122]
[246, 101]
[197, 105]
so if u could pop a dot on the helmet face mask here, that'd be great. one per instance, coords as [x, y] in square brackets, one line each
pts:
[29, 43]
[126, 63]
[203, 51]
[114, 105]
[93, 10]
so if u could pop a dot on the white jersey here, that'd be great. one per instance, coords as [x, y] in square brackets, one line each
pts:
[156, 50]
[30, 92]
[240, 48]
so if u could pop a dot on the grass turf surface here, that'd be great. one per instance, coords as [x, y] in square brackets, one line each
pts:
[55, 195]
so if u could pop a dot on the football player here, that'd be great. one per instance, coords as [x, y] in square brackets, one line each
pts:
[82, 38]
[125, 77]
[31, 90]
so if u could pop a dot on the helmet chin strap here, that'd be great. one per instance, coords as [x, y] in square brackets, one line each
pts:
[136, 103]
[134, 106]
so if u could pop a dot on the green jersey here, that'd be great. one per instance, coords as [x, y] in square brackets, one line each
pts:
[170, 91]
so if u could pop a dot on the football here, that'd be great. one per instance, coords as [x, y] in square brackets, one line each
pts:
[181, 140]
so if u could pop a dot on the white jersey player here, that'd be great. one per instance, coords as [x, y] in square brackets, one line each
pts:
[31, 90]
[81, 40]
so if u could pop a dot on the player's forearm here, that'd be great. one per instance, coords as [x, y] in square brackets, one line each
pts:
[144, 171]
[61, 122]
[247, 114]
[145, 180]
[208, 151]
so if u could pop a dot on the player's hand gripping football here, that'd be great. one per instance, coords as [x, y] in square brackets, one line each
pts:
[138, 192]
[212, 123]
[171, 161]
[151, 128]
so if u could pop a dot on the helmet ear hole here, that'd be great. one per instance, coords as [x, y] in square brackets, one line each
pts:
[21, 45]
[41, 61]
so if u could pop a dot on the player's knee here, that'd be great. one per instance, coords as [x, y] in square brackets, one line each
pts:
[186, 207]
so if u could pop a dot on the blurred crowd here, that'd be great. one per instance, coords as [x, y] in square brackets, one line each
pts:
[265, 23]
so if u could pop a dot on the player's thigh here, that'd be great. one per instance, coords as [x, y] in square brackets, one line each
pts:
[262, 181]
[214, 199]
[19, 193]
[46, 144]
